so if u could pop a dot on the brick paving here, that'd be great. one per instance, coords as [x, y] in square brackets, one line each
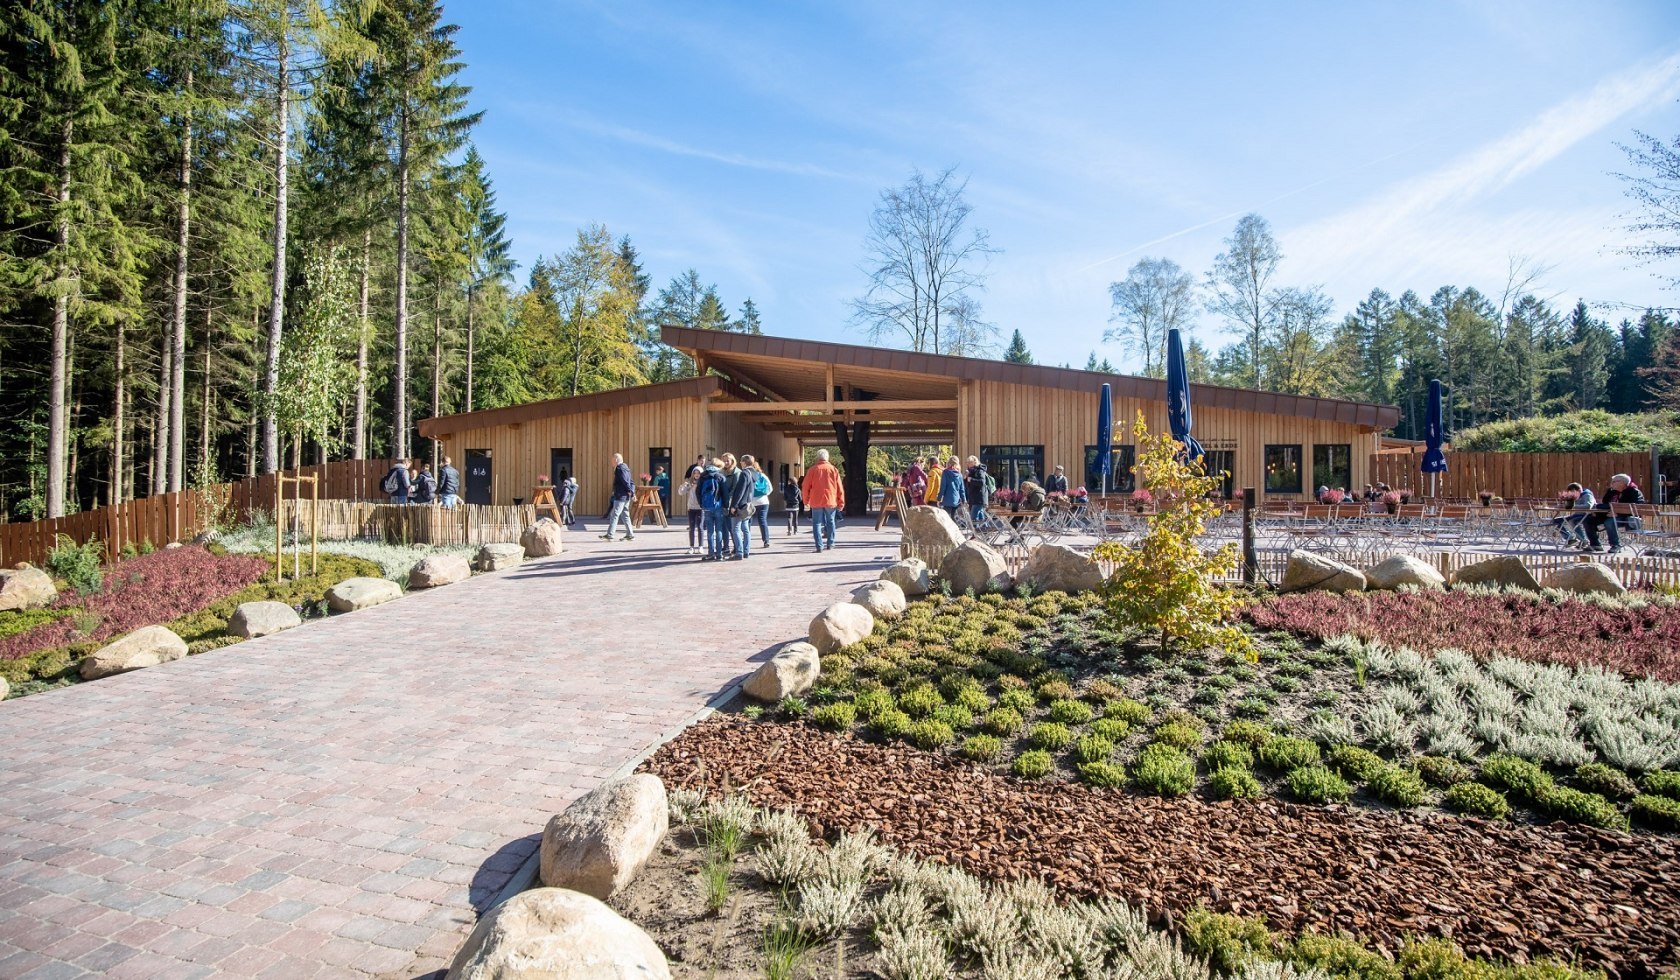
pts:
[344, 798]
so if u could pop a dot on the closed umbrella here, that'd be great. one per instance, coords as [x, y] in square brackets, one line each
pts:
[1434, 434]
[1178, 396]
[1105, 435]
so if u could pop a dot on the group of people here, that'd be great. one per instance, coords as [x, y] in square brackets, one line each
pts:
[1589, 515]
[726, 497]
[410, 481]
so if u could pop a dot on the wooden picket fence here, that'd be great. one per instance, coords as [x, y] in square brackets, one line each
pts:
[1510, 475]
[347, 520]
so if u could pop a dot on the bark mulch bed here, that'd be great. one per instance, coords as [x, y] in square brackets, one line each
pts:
[1499, 890]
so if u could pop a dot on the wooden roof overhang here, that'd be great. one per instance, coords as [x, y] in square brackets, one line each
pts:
[604, 401]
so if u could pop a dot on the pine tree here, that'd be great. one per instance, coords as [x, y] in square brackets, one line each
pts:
[749, 321]
[1591, 348]
[1017, 352]
[489, 262]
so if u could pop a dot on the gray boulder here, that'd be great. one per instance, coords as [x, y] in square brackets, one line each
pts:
[542, 539]
[145, 647]
[929, 534]
[1307, 571]
[495, 557]
[25, 587]
[841, 624]
[1585, 577]
[791, 672]
[359, 593]
[1506, 570]
[1391, 573]
[1057, 566]
[596, 845]
[975, 565]
[435, 570]
[5, 688]
[557, 934]
[884, 600]
[911, 575]
[254, 619]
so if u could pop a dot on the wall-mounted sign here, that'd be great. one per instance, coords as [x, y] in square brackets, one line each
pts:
[1218, 443]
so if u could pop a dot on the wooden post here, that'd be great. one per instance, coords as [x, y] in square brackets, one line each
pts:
[1251, 561]
[1656, 477]
[314, 525]
[279, 521]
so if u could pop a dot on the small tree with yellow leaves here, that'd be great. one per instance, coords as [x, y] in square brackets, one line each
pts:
[1166, 584]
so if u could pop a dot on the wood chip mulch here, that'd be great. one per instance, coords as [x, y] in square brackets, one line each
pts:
[1605, 900]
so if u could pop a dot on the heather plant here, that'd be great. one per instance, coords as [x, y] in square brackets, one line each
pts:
[1398, 786]
[1234, 783]
[1578, 806]
[1284, 752]
[1070, 712]
[835, 717]
[1033, 764]
[1165, 583]
[1003, 721]
[1441, 771]
[1477, 799]
[1106, 775]
[1361, 764]
[1228, 754]
[1662, 783]
[982, 748]
[1049, 735]
[1659, 812]
[1128, 710]
[1316, 784]
[1164, 771]
[1596, 777]
[1179, 735]
[1112, 729]
[931, 734]
[1093, 748]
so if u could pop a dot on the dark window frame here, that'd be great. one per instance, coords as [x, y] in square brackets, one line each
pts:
[1288, 449]
[1012, 452]
[1227, 485]
[1121, 479]
[1346, 481]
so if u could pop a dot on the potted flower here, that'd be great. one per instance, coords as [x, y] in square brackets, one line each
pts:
[1405, 495]
[1486, 497]
[1391, 501]
[1334, 496]
[647, 479]
[1141, 499]
[542, 479]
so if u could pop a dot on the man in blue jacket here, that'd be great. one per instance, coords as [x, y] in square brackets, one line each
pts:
[738, 497]
[623, 491]
[710, 491]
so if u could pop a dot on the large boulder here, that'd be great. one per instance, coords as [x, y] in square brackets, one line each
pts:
[884, 600]
[495, 557]
[841, 624]
[542, 539]
[145, 647]
[5, 688]
[911, 575]
[557, 934]
[359, 593]
[1391, 573]
[1309, 571]
[789, 673]
[596, 845]
[435, 570]
[1585, 577]
[975, 565]
[25, 587]
[254, 619]
[1506, 570]
[929, 534]
[1057, 566]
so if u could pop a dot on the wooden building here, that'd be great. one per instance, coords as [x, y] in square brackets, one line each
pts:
[772, 396]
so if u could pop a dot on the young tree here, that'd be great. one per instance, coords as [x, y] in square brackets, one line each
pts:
[594, 302]
[1017, 352]
[315, 371]
[749, 321]
[1239, 286]
[1591, 348]
[1655, 190]
[921, 261]
[1155, 297]
[965, 333]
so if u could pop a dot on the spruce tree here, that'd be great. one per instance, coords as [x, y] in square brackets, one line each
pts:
[489, 262]
[749, 321]
[1017, 352]
[1591, 348]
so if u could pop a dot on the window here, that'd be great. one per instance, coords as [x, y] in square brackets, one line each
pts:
[1283, 469]
[1216, 461]
[1120, 478]
[1010, 465]
[1332, 467]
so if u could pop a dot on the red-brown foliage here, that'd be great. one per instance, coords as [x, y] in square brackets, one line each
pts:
[1637, 642]
[143, 591]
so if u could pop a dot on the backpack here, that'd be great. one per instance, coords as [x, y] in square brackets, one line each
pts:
[710, 490]
[389, 485]
[991, 484]
[761, 485]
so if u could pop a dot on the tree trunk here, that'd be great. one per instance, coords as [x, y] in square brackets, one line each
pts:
[399, 410]
[121, 392]
[854, 455]
[437, 365]
[72, 496]
[277, 283]
[58, 428]
[360, 437]
[160, 419]
[178, 341]
[204, 402]
[469, 347]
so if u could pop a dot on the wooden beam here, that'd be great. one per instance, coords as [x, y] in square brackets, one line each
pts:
[828, 386]
[832, 407]
[763, 389]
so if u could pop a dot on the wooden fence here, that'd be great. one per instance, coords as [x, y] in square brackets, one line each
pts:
[1510, 475]
[467, 524]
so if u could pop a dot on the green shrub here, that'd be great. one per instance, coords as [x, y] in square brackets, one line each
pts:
[1034, 764]
[77, 564]
[1093, 748]
[1003, 721]
[1286, 685]
[1661, 812]
[1230, 943]
[931, 734]
[1055, 688]
[1226, 754]
[872, 704]
[1112, 729]
[1474, 798]
[1340, 956]
[836, 717]
[1581, 807]
[1049, 735]
[955, 715]
[920, 701]
[1179, 735]
[1438, 770]
[1251, 734]
[1317, 784]
[1070, 712]
[751, 712]
[1358, 763]
[1251, 707]
[1234, 783]
[1596, 777]
[892, 723]
[1131, 712]
[1282, 752]
[1520, 776]
[1017, 699]
[1429, 959]
[1398, 786]
[982, 748]
[1663, 782]
[1106, 775]
[1164, 771]
[972, 700]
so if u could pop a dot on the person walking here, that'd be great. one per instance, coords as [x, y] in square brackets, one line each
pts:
[397, 485]
[449, 484]
[710, 491]
[424, 485]
[978, 486]
[568, 497]
[662, 480]
[689, 493]
[791, 499]
[1056, 482]
[1569, 525]
[951, 488]
[1622, 491]
[738, 489]
[623, 491]
[915, 482]
[825, 494]
[760, 497]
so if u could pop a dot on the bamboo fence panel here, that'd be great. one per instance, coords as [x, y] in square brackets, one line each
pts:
[466, 524]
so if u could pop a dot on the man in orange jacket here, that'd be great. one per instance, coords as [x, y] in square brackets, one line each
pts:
[825, 496]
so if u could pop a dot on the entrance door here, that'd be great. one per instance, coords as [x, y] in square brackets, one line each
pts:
[559, 466]
[657, 458]
[478, 476]
[1217, 461]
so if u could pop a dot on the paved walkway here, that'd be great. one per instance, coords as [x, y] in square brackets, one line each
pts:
[343, 799]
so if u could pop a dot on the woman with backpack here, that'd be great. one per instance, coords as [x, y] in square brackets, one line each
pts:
[760, 496]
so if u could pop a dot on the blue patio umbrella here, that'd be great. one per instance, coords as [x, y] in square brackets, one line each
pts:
[1178, 396]
[1105, 435]
[1434, 434]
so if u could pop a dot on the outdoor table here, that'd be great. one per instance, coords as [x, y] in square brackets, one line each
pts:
[648, 505]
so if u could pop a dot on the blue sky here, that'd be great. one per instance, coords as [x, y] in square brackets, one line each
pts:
[1400, 145]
